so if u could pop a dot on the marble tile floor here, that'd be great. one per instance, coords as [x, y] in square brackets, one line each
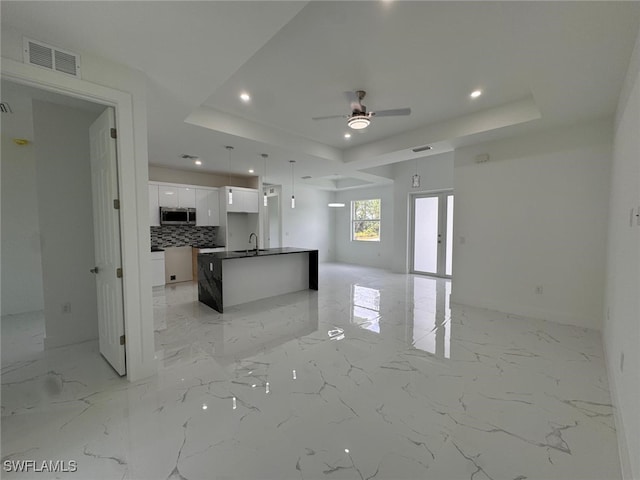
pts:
[375, 376]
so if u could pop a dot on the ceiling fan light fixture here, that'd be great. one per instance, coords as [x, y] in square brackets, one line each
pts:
[358, 122]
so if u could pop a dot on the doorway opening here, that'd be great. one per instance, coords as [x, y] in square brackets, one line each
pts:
[272, 230]
[50, 202]
[432, 234]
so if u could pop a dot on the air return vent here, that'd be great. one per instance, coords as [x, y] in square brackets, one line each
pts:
[50, 57]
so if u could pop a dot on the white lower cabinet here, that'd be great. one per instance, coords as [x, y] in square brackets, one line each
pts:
[157, 269]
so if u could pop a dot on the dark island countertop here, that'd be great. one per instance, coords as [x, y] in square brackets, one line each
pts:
[252, 253]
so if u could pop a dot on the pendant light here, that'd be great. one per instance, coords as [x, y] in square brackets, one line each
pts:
[293, 197]
[264, 156]
[230, 194]
[415, 180]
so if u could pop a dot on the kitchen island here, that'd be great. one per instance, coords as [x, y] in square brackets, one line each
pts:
[231, 278]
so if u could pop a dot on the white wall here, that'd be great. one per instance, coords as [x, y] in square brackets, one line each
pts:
[535, 214]
[63, 172]
[373, 254]
[621, 329]
[436, 174]
[21, 254]
[311, 223]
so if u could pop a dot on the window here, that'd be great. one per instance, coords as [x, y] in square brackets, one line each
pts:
[365, 220]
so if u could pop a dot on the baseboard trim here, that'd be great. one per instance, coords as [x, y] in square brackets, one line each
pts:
[528, 312]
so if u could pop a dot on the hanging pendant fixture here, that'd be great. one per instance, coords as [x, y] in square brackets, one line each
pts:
[293, 197]
[415, 180]
[264, 156]
[230, 194]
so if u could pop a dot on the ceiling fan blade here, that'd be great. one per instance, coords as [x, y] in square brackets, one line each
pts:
[329, 116]
[354, 101]
[392, 112]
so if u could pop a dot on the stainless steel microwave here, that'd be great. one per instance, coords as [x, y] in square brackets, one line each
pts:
[177, 216]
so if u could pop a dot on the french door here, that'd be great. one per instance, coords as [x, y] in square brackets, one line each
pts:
[432, 233]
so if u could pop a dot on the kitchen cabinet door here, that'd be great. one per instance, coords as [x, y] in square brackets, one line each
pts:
[168, 196]
[154, 206]
[250, 200]
[214, 208]
[203, 210]
[207, 207]
[187, 197]
[157, 269]
[236, 206]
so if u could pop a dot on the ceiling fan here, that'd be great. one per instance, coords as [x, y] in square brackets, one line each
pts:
[359, 117]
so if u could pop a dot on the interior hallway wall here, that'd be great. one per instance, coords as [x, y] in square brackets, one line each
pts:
[63, 173]
[21, 254]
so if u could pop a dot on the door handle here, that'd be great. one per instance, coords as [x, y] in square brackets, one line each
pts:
[94, 270]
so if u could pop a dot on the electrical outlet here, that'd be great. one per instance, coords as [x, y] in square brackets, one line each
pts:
[621, 362]
[539, 289]
[66, 307]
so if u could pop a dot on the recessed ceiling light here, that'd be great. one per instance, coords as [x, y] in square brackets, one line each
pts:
[244, 96]
[198, 162]
[476, 93]
[347, 135]
[251, 170]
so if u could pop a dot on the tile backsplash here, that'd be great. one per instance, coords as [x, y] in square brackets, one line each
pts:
[182, 236]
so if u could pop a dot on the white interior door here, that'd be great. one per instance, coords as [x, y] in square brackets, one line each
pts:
[106, 223]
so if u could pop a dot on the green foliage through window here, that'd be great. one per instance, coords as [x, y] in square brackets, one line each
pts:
[365, 220]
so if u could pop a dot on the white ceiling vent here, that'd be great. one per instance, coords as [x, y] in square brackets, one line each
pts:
[50, 57]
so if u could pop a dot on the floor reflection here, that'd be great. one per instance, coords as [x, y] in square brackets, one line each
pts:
[365, 311]
[195, 332]
[427, 319]
[432, 316]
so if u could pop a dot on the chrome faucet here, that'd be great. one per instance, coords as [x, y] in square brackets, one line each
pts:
[254, 235]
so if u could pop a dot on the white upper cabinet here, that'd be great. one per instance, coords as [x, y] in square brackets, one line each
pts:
[154, 206]
[186, 197]
[175, 196]
[251, 201]
[245, 200]
[207, 207]
[168, 196]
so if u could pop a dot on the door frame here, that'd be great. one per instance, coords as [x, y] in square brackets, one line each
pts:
[442, 228]
[132, 184]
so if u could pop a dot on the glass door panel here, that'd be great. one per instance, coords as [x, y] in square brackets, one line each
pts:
[425, 235]
[432, 234]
